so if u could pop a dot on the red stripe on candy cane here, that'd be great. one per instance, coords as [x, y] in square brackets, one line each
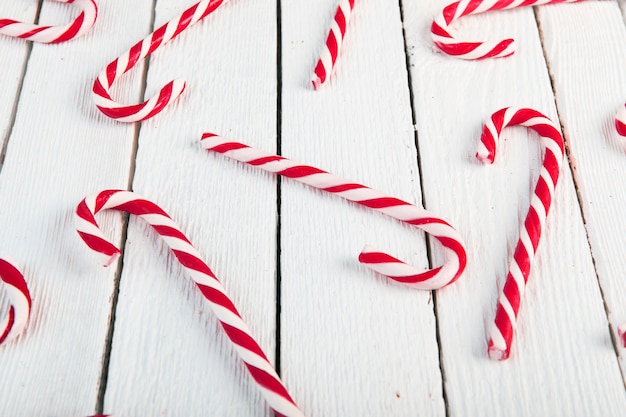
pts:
[54, 34]
[20, 300]
[455, 257]
[235, 329]
[331, 49]
[444, 39]
[502, 333]
[139, 112]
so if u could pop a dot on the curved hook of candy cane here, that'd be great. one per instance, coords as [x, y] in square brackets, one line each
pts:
[54, 34]
[499, 346]
[236, 330]
[455, 257]
[139, 112]
[20, 300]
[329, 54]
[620, 120]
[443, 38]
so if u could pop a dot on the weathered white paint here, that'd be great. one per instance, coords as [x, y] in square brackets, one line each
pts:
[12, 69]
[61, 149]
[352, 344]
[562, 322]
[596, 63]
[170, 357]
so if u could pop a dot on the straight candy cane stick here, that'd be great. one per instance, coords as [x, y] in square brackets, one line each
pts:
[329, 54]
[171, 91]
[455, 257]
[444, 39]
[20, 300]
[54, 34]
[236, 330]
[499, 346]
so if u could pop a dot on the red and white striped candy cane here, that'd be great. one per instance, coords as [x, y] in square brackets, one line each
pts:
[248, 349]
[329, 54]
[54, 34]
[530, 233]
[171, 91]
[455, 257]
[19, 297]
[620, 120]
[443, 38]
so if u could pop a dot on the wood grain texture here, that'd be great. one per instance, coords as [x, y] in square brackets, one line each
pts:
[562, 332]
[352, 343]
[589, 72]
[61, 149]
[170, 356]
[12, 69]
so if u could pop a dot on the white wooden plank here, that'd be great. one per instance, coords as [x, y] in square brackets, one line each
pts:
[352, 343]
[169, 356]
[60, 150]
[12, 69]
[562, 360]
[589, 81]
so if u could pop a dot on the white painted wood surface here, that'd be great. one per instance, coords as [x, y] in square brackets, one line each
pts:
[349, 342]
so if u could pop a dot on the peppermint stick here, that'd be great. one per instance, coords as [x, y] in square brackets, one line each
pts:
[236, 330]
[171, 91]
[329, 54]
[54, 34]
[455, 257]
[19, 297]
[499, 346]
[443, 38]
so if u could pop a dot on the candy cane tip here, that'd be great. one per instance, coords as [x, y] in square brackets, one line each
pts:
[485, 157]
[496, 353]
[368, 249]
[317, 83]
[620, 121]
[108, 260]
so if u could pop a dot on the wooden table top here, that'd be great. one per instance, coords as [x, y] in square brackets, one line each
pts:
[138, 338]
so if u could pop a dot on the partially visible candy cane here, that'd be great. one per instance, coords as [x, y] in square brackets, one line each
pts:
[499, 346]
[455, 257]
[54, 34]
[329, 54]
[20, 300]
[620, 120]
[171, 91]
[248, 349]
[444, 39]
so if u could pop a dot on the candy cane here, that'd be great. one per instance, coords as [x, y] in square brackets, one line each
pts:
[530, 233]
[455, 257]
[440, 28]
[54, 34]
[171, 91]
[248, 349]
[329, 54]
[19, 297]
